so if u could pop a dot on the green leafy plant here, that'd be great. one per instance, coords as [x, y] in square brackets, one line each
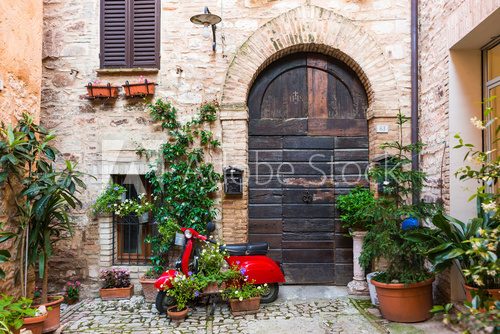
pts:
[72, 290]
[115, 278]
[211, 259]
[472, 321]
[181, 180]
[386, 239]
[354, 207]
[44, 193]
[4, 253]
[12, 312]
[109, 199]
[183, 290]
[137, 206]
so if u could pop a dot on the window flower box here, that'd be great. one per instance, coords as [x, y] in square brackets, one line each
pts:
[139, 89]
[97, 90]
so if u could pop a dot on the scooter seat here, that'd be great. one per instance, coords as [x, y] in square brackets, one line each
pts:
[255, 248]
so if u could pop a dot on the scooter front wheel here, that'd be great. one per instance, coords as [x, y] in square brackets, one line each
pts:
[163, 301]
[271, 295]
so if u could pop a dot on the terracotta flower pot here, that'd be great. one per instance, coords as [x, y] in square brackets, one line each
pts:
[494, 293]
[405, 302]
[148, 289]
[139, 89]
[53, 320]
[175, 315]
[213, 288]
[117, 293]
[35, 324]
[101, 91]
[245, 306]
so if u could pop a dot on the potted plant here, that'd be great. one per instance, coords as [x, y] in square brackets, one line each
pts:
[98, 89]
[472, 246]
[183, 290]
[107, 202]
[72, 292]
[115, 284]
[141, 87]
[404, 288]
[45, 195]
[353, 209]
[212, 274]
[148, 284]
[243, 296]
[18, 314]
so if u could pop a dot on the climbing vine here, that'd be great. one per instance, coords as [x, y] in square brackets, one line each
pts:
[182, 181]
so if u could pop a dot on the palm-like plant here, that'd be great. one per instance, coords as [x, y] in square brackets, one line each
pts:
[43, 193]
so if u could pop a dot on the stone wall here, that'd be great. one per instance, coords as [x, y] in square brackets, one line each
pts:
[371, 36]
[20, 73]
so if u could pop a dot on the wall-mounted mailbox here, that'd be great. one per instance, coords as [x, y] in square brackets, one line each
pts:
[233, 181]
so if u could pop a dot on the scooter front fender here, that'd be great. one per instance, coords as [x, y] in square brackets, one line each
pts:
[260, 269]
[165, 280]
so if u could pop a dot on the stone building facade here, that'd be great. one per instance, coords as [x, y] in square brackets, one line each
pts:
[371, 37]
[20, 85]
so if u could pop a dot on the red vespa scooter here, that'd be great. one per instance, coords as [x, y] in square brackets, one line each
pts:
[252, 257]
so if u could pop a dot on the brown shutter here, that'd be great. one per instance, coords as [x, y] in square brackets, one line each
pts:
[145, 48]
[113, 33]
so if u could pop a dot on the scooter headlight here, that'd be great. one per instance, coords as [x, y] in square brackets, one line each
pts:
[188, 234]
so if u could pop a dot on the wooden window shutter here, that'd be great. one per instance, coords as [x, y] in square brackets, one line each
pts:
[113, 33]
[130, 33]
[145, 33]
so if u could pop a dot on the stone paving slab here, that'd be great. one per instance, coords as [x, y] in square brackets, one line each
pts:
[336, 316]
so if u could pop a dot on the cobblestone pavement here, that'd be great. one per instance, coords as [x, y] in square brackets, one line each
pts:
[339, 315]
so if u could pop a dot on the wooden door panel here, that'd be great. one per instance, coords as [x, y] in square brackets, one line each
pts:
[310, 273]
[308, 142]
[309, 224]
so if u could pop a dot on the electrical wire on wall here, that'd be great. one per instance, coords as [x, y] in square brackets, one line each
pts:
[222, 36]
[441, 180]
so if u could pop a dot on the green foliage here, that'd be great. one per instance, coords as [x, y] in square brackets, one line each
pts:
[72, 290]
[472, 321]
[4, 253]
[386, 239]
[354, 208]
[109, 199]
[484, 253]
[13, 311]
[181, 180]
[211, 260]
[183, 290]
[45, 193]
[161, 242]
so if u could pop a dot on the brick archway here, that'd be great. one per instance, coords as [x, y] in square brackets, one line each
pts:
[304, 29]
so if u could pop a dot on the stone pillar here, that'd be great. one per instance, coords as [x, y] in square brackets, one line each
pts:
[358, 286]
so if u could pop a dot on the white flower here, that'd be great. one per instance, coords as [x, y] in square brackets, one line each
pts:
[477, 123]
[241, 299]
[265, 284]
[489, 207]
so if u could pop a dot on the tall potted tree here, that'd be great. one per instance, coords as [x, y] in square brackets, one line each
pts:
[404, 289]
[45, 196]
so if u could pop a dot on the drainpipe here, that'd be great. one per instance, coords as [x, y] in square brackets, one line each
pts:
[414, 90]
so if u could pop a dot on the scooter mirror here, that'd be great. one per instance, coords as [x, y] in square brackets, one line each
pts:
[210, 227]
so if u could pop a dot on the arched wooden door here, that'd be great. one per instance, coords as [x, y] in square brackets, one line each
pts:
[308, 142]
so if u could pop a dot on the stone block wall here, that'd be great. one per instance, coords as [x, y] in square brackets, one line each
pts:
[20, 74]
[371, 36]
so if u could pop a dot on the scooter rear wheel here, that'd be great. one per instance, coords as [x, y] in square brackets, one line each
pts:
[271, 295]
[163, 301]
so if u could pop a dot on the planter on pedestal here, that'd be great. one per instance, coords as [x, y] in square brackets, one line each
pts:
[358, 286]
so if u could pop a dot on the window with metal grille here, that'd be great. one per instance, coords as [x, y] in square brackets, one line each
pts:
[130, 232]
[130, 33]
